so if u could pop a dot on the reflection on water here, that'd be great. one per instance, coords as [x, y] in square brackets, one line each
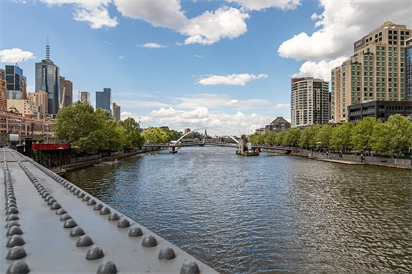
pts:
[266, 214]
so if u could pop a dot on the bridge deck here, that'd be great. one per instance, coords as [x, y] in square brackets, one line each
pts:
[48, 246]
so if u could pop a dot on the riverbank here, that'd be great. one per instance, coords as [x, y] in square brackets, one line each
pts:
[353, 159]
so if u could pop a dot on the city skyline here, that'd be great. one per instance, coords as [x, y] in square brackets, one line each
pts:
[188, 64]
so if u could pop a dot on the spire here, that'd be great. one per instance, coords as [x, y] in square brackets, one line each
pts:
[47, 49]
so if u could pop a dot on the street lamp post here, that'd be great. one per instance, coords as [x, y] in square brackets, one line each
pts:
[60, 149]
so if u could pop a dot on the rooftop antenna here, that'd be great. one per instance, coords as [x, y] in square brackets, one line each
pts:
[47, 49]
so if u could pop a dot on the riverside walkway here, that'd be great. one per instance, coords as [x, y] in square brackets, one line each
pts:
[50, 225]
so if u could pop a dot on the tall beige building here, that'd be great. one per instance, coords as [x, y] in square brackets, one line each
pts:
[39, 99]
[309, 101]
[376, 71]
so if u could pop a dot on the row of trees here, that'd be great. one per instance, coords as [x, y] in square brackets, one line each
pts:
[393, 136]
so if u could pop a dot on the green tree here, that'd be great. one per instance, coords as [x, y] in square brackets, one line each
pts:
[341, 136]
[292, 136]
[155, 135]
[324, 136]
[113, 137]
[280, 138]
[269, 138]
[257, 138]
[131, 132]
[362, 133]
[308, 136]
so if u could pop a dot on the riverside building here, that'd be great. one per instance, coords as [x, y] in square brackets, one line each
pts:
[376, 71]
[309, 101]
[408, 68]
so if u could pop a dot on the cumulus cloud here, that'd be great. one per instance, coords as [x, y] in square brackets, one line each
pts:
[141, 104]
[15, 55]
[232, 79]
[281, 106]
[152, 46]
[121, 57]
[143, 119]
[263, 4]
[247, 104]
[321, 69]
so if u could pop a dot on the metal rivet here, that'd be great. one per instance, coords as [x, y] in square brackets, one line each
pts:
[51, 201]
[76, 192]
[189, 268]
[149, 241]
[14, 230]
[98, 207]
[76, 231]
[61, 211]
[81, 195]
[55, 206]
[84, 240]
[15, 240]
[104, 211]
[107, 268]
[91, 202]
[70, 223]
[135, 232]
[12, 217]
[18, 267]
[86, 198]
[123, 223]
[15, 253]
[166, 253]
[65, 217]
[12, 210]
[114, 217]
[94, 253]
[12, 223]
[45, 194]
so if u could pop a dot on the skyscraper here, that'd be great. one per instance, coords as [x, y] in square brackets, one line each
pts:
[309, 101]
[104, 99]
[408, 68]
[48, 80]
[376, 71]
[66, 92]
[85, 97]
[15, 81]
[116, 112]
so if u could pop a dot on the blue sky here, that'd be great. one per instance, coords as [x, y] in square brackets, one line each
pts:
[191, 64]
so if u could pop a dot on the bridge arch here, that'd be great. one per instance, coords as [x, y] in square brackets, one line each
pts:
[230, 136]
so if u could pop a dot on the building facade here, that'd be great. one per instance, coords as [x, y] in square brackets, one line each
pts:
[408, 68]
[104, 99]
[376, 71]
[116, 112]
[3, 93]
[40, 100]
[15, 81]
[309, 101]
[278, 125]
[26, 107]
[381, 110]
[48, 80]
[66, 92]
[85, 97]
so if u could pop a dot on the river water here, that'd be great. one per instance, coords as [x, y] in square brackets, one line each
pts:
[265, 214]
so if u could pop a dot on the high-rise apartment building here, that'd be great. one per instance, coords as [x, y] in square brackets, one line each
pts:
[66, 92]
[408, 68]
[48, 80]
[15, 81]
[376, 71]
[309, 101]
[85, 97]
[116, 112]
[104, 99]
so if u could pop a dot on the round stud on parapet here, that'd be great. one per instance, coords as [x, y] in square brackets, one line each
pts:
[167, 253]
[94, 253]
[149, 241]
[15, 253]
[12, 217]
[98, 207]
[70, 223]
[65, 217]
[113, 217]
[12, 223]
[123, 223]
[55, 206]
[81, 195]
[15, 240]
[91, 202]
[76, 192]
[189, 268]
[105, 211]
[76, 231]
[86, 198]
[61, 211]
[18, 267]
[135, 232]
[51, 201]
[107, 268]
[14, 230]
[84, 240]
[12, 210]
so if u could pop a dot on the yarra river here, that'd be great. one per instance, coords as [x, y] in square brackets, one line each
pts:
[265, 214]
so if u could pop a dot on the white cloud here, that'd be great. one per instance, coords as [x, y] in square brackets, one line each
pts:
[141, 104]
[121, 57]
[15, 55]
[281, 106]
[198, 56]
[340, 25]
[263, 4]
[143, 119]
[321, 69]
[248, 104]
[152, 46]
[233, 79]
